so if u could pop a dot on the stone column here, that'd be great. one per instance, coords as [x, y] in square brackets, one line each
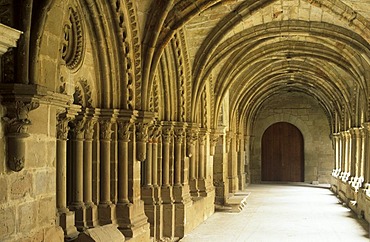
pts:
[366, 165]
[91, 208]
[191, 138]
[233, 161]
[337, 164]
[77, 204]
[202, 186]
[133, 221]
[167, 196]
[106, 209]
[66, 218]
[241, 162]
[157, 227]
[355, 151]
[181, 189]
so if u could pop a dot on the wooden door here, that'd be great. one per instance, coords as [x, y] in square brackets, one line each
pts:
[282, 153]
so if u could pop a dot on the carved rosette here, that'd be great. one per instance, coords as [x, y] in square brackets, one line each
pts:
[17, 123]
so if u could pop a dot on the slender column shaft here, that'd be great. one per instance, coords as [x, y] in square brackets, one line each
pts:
[87, 168]
[201, 158]
[192, 162]
[148, 164]
[178, 163]
[105, 142]
[61, 175]
[123, 171]
[155, 163]
[166, 164]
[78, 172]
[160, 163]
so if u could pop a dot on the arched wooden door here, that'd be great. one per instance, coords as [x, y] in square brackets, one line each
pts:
[282, 153]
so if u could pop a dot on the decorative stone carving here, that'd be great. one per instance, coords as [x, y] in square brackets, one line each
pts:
[74, 42]
[125, 130]
[141, 139]
[191, 137]
[17, 123]
[105, 129]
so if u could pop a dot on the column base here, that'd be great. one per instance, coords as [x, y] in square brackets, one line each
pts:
[107, 214]
[182, 202]
[168, 212]
[132, 221]
[233, 184]
[194, 192]
[202, 186]
[67, 222]
[92, 216]
[80, 216]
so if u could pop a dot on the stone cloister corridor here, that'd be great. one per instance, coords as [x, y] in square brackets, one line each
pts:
[133, 120]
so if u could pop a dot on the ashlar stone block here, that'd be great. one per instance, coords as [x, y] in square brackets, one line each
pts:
[7, 222]
[20, 185]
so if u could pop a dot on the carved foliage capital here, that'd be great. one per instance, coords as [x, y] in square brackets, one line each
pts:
[167, 133]
[179, 133]
[105, 129]
[62, 126]
[17, 116]
[142, 132]
[78, 128]
[89, 129]
[125, 130]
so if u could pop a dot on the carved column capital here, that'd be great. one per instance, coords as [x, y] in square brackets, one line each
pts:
[180, 132]
[125, 130]
[17, 116]
[167, 132]
[78, 128]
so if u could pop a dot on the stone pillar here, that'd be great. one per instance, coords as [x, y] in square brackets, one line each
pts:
[106, 209]
[241, 162]
[66, 218]
[181, 189]
[366, 165]
[191, 138]
[233, 162]
[355, 152]
[337, 164]
[77, 204]
[91, 208]
[133, 221]
[157, 227]
[167, 192]
[202, 186]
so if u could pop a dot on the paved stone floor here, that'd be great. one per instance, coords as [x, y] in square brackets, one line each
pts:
[284, 212]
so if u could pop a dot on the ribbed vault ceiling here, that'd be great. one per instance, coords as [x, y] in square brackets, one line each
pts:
[257, 49]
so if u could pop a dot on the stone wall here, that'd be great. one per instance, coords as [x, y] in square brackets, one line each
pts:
[307, 115]
[27, 200]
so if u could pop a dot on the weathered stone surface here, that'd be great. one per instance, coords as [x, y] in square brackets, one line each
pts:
[21, 185]
[7, 222]
[46, 211]
[27, 215]
[44, 181]
[3, 189]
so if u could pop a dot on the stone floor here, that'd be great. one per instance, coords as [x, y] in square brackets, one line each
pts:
[283, 213]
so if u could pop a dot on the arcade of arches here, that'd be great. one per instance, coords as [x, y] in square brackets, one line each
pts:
[128, 119]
